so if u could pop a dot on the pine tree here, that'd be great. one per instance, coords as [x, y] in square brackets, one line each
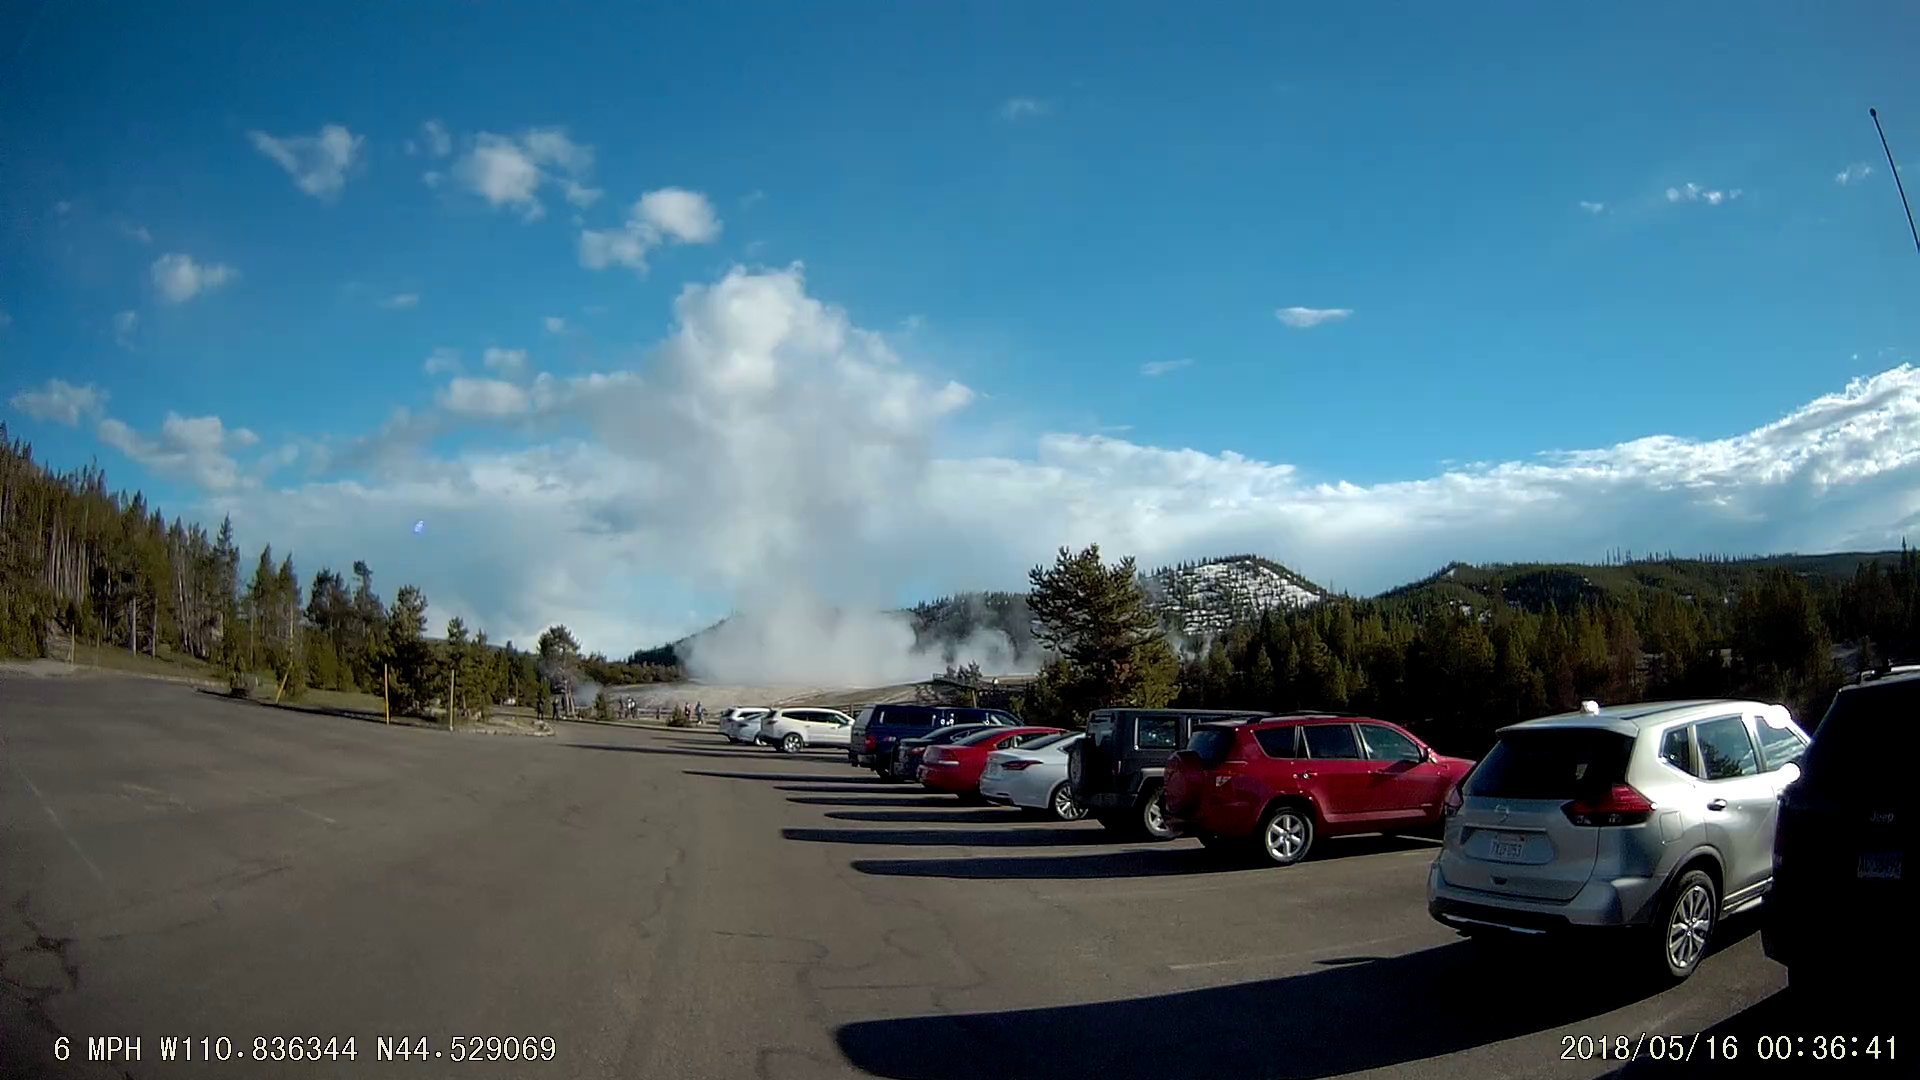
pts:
[1098, 620]
[412, 659]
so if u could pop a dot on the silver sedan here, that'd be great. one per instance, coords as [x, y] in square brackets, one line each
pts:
[1034, 777]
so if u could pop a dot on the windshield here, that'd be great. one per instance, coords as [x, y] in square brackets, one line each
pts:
[1050, 740]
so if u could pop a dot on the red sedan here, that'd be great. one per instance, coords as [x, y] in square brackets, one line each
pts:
[956, 768]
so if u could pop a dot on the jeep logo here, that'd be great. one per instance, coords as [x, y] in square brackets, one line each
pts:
[1881, 817]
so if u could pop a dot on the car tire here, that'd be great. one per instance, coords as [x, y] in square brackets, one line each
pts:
[1151, 823]
[1060, 804]
[792, 743]
[1682, 929]
[1285, 835]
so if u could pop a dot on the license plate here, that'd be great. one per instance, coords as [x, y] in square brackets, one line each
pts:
[1508, 845]
[1880, 864]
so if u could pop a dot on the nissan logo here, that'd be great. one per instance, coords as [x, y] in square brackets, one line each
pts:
[1505, 812]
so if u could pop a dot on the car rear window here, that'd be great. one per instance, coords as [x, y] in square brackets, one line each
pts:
[1865, 725]
[1557, 763]
[1212, 745]
[985, 734]
[903, 715]
[1049, 740]
[1281, 742]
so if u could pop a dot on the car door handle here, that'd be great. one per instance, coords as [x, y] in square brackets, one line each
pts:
[1303, 776]
[1717, 804]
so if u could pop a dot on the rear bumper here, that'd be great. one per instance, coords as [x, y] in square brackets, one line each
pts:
[1599, 904]
[947, 779]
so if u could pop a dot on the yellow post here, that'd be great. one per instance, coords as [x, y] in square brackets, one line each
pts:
[283, 687]
[386, 689]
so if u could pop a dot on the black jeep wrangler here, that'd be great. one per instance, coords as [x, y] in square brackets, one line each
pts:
[1116, 772]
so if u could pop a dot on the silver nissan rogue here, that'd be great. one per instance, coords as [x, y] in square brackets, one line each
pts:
[1657, 817]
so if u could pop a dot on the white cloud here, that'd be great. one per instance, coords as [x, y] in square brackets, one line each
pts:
[124, 324]
[1859, 170]
[401, 301]
[555, 324]
[137, 233]
[439, 139]
[63, 208]
[432, 178]
[486, 398]
[61, 402]
[1021, 108]
[511, 363]
[317, 163]
[690, 483]
[682, 215]
[1696, 193]
[195, 448]
[1155, 368]
[1302, 318]
[1593, 207]
[179, 278]
[669, 214]
[442, 361]
[508, 170]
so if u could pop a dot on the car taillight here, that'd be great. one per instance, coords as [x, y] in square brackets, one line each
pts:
[1621, 805]
[872, 743]
[1016, 766]
[1454, 802]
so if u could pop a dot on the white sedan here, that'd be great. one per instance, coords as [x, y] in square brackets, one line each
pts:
[741, 724]
[793, 730]
[1034, 777]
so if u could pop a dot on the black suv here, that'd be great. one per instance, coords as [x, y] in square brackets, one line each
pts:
[1116, 772]
[879, 727]
[1840, 914]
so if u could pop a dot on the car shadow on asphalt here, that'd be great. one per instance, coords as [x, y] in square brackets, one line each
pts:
[1161, 860]
[934, 815]
[788, 778]
[850, 799]
[1341, 1019]
[730, 755]
[1042, 837]
[831, 785]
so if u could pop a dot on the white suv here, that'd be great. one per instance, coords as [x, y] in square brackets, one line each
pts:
[1657, 816]
[793, 730]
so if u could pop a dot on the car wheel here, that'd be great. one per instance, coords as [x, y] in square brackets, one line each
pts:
[1153, 818]
[1061, 805]
[792, 743]
[1285, 836]
[1686, 924]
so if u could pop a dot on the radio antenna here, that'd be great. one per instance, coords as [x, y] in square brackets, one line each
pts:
[1898, 186]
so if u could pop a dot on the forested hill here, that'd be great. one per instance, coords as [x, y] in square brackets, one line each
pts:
[1704, 579]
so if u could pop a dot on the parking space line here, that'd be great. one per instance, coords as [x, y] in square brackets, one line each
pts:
[58, 824]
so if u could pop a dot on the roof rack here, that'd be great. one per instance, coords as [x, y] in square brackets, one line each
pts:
[1884, 670]
[1321, 712]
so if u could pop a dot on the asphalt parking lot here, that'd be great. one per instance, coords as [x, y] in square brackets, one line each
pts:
[662, 904]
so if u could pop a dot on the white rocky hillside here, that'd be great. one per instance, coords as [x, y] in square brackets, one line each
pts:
[1204, 597]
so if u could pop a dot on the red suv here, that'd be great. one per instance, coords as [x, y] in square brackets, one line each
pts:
[956, 767]
[1277, 784]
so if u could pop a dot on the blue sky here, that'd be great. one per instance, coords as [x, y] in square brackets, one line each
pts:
[1484, 217]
